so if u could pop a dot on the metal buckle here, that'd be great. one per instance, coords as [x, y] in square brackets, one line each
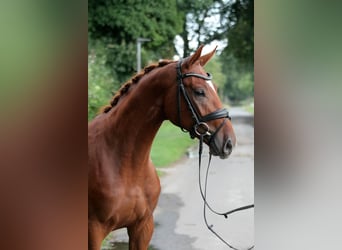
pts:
[201, 129]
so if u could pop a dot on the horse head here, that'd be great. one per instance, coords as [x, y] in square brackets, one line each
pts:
[198, 108]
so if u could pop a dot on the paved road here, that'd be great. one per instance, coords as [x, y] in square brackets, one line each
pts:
[179, 215]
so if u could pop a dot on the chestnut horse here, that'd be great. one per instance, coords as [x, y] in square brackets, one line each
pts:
[123, 186]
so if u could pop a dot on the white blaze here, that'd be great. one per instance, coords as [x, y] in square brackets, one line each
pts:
[211, 84]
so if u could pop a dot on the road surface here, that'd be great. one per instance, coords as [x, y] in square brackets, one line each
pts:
[179, 215]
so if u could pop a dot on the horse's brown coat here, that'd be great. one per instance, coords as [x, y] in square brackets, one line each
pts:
[123, 187]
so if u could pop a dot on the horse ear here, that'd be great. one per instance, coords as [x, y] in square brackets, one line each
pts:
[195, 56]
[204, 59]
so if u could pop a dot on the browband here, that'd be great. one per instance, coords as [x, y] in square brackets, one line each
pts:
[208, 77]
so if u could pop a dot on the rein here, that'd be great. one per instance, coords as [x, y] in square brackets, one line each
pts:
[201, 128]
[204, 197]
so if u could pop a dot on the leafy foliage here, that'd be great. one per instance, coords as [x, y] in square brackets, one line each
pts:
[118, 24]
[125, 21]
[241, 32]
[239, 83]
[100, 79]
[113, 28]
[195, 27]
[238, 56]
[229, 22]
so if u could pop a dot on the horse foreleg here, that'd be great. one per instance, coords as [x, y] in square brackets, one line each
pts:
[95, 235]
[140, 234]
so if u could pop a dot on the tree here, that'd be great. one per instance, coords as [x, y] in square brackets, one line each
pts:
[240, 31]
[238, 56]
[119, 23]
[195, 25]
[100, 79]
[239, 82]
[222, 20]
[113, 29]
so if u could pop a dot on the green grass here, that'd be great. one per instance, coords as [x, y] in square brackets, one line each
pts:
[248, 105]
[169, 145]
[249, 109]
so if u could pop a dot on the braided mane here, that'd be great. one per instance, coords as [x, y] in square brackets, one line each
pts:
[134, 80]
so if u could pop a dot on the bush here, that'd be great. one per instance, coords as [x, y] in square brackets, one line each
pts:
[101, 82]
[239, 83]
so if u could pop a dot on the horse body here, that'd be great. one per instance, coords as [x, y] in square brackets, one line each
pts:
[126, 193]
[123, 186]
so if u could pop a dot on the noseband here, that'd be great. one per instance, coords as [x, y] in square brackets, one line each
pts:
[200, 127]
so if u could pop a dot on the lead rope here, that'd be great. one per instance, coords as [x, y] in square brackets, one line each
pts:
[204, 197]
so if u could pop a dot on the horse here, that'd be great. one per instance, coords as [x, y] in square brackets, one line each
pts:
[123, 186]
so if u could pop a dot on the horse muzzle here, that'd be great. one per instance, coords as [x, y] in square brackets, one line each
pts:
[223, 150]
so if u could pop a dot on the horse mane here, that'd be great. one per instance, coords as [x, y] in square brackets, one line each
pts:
[134, 80]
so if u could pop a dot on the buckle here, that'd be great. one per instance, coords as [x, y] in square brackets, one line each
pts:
[202, 129]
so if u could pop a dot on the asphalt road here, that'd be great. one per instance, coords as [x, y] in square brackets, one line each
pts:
[179, 215]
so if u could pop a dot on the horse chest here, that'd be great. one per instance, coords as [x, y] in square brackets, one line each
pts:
[133, 201]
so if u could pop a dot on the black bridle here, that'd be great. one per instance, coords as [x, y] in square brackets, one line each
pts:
[200, 127]
[202, 130]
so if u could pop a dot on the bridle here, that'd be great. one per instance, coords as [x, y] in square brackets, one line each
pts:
[200, 127]
[202, 130]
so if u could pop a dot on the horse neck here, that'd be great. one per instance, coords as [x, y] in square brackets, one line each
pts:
[136, 119]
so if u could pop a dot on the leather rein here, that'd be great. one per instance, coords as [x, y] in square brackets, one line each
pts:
[201, 129]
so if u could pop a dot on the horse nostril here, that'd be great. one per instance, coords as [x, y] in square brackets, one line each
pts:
[228, 147]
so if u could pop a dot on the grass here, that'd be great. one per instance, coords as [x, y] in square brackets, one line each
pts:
[249, 108]
[169, 145]
[248, 105]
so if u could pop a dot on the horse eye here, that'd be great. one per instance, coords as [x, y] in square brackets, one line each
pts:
[199, 92]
